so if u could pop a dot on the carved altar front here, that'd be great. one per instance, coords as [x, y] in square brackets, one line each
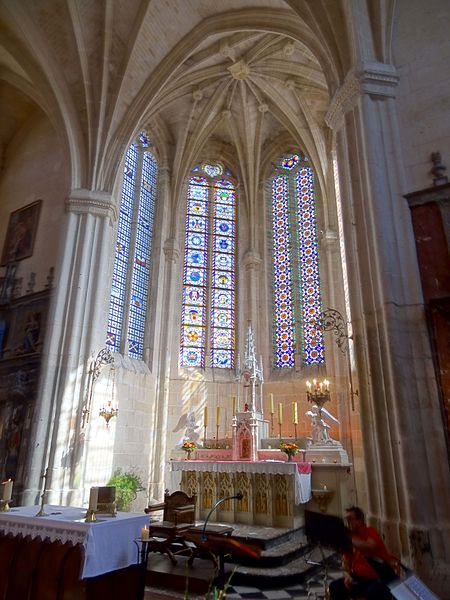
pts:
[273, 492]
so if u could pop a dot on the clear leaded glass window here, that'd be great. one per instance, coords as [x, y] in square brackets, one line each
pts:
[209, 294]
[132, 262]
[296, 278]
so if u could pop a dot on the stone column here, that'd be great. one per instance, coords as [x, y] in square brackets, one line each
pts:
[405, 453]
[168, 339]
[77, 328]
[252, 267]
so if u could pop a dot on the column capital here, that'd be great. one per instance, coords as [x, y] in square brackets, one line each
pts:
[377, 80]
[171, 250]
[101, 204]
[251, 260]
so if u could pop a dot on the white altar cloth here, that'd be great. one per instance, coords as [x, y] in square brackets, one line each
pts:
[300, 471]
[108, 542]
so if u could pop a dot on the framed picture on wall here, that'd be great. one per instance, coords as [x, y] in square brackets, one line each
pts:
[21, 233]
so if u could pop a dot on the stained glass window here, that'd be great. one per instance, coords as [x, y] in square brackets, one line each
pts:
[132, 263]
[208, 311]
[296, 278]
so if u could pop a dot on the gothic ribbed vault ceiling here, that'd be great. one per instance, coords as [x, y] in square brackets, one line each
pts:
[242, 78]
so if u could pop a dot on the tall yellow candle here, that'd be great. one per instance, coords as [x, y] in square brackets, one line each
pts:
[280, 413]
[272, 410]
[295, 412]
[217, 415]
[233, 404]
[205, 417]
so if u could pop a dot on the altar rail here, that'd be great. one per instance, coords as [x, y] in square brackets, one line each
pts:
[272, 491]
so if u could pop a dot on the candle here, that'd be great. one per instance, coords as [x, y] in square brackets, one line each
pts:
[308, 385]
[271, 404]
[93, 498]
[217, 415]
[315, 383]
[7, 490]
[295, 411]
[233, 402]
[145, 536]
[205, 417]
[280, 413]
[326, 384]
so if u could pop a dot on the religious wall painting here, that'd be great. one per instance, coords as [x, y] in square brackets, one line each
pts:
[21, 233]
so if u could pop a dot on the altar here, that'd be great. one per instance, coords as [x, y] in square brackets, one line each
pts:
[273, 491]
[108, 542]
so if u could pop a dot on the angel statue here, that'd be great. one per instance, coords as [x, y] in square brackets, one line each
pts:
[320, 432]
[188, 423]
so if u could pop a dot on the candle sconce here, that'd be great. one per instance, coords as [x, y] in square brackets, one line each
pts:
[108, 412]
[322, 497]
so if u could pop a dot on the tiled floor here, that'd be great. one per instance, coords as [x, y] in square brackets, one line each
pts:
[313, 590]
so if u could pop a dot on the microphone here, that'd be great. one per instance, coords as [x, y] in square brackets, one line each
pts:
[238, 496]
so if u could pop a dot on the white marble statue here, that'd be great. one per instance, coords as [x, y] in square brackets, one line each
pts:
[320, 432]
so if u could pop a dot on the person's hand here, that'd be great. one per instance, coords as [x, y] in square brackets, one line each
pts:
[348, 581]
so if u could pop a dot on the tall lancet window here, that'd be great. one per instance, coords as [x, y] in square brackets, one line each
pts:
[296, 278]
[209, 283]
[132, 262]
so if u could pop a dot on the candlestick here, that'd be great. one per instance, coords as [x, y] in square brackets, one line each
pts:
[205, 417]
[272, 434]
[7, 490]
[42, 512]
[272, 410]
[93, 498]
[6, 496]
[280, 413]
[217, 423]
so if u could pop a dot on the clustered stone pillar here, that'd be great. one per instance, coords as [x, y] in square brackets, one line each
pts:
[406, 469]
[77, 327]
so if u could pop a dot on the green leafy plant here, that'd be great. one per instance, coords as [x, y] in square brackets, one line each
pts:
[127, 484]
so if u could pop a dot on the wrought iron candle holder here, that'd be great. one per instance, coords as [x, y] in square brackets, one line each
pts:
[322, 497]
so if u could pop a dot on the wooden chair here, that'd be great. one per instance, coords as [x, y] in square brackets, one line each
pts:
[167, 536]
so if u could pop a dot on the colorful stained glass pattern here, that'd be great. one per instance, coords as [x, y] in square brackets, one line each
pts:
[282, 275]
[207, 321]
[289, 162]
[133, 259]
[142, 252]
[121, 259]
[223, 283]
[296, 280]
[313, 346]
[192, 348]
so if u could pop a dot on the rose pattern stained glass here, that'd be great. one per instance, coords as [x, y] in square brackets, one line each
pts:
[296, 281]
[210, 245]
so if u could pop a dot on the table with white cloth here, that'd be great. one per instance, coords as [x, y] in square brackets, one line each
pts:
[273, 491]
[108, 542]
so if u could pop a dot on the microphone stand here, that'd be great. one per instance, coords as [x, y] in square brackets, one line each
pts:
[238, 496]
[204, 537]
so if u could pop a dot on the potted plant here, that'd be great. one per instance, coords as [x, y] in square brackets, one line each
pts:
[127, 484]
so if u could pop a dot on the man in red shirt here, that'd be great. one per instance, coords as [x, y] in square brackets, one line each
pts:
[361, 580]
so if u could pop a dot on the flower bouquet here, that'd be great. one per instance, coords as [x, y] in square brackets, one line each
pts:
[189, 447]
[289, 448]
